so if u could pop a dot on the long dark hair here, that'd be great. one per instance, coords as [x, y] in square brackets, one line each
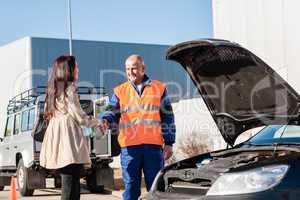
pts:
[64, 71]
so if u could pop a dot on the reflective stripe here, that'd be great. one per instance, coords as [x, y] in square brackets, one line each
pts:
[139, 122]
[139, 107]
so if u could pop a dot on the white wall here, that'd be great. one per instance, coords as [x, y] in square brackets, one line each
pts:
[15, 62]
[192, 115]
[268, 28]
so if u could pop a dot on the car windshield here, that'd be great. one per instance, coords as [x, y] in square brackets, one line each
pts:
[281, 134]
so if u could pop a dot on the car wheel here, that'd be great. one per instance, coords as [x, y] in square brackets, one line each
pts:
[22, 180]
[2, 188]
[91, 183]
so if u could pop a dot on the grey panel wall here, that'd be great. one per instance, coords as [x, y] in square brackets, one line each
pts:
[102, 63]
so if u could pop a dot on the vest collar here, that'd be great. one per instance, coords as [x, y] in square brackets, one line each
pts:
[146, 81]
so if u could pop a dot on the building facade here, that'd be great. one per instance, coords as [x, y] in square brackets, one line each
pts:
[268, 28]
[26, 63]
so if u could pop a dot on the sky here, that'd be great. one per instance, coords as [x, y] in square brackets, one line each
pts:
[136, 21]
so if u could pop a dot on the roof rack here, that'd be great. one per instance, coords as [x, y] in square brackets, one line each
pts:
[29, 97]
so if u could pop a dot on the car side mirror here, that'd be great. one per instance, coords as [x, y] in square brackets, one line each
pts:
[1, 139]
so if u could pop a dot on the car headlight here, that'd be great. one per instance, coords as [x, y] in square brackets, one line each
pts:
[255, 180]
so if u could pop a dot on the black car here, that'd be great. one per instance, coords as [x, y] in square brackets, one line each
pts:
[242, 93]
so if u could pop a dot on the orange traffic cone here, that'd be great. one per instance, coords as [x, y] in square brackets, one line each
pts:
[13, 190]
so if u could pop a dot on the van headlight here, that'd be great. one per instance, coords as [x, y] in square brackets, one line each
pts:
[254, 180]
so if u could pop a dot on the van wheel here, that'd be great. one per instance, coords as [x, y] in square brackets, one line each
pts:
[2, 188]
[57, 182]
[91, 183]
[22, 179]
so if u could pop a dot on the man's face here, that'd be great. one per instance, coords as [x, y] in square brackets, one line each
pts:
[135, 70]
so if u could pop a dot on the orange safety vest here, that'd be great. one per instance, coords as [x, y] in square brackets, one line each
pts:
[140, 121]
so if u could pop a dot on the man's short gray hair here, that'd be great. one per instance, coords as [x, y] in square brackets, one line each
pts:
[140, 58]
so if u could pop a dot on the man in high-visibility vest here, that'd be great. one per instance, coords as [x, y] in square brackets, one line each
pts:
[144, 114]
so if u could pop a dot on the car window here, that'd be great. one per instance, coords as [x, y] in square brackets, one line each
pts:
[247, 134]
[24, 121]
[17, 124]
[9, 126]
[278, 134]
[31, 118]
[291, 132]
[265, 135]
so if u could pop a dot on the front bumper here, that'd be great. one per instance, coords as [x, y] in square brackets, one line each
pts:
[270, 194]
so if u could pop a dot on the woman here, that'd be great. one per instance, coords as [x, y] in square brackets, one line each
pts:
[64, 146]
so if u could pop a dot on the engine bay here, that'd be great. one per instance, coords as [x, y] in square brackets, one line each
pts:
[196, 175]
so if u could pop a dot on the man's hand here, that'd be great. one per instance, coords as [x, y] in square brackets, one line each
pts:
[168, 151]
[104, 125]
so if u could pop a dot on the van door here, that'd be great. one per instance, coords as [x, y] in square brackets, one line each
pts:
[23, 141]
[14, 144]
[5, 151]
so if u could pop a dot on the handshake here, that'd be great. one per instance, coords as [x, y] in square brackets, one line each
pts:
[101, 128]
[98, 131]
[103, 125]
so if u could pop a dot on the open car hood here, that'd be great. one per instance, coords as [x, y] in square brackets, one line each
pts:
[239, 89]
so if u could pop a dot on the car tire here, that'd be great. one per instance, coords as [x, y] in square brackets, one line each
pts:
[2, 188]
[91, 183]
[22, 180]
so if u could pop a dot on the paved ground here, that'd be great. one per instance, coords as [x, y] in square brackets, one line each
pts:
[54, 194]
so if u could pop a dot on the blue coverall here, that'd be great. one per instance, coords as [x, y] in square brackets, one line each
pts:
[146, 157]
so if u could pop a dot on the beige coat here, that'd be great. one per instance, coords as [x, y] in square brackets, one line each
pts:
[64, 142]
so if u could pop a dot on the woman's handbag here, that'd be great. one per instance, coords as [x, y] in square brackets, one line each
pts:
[39, 129]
